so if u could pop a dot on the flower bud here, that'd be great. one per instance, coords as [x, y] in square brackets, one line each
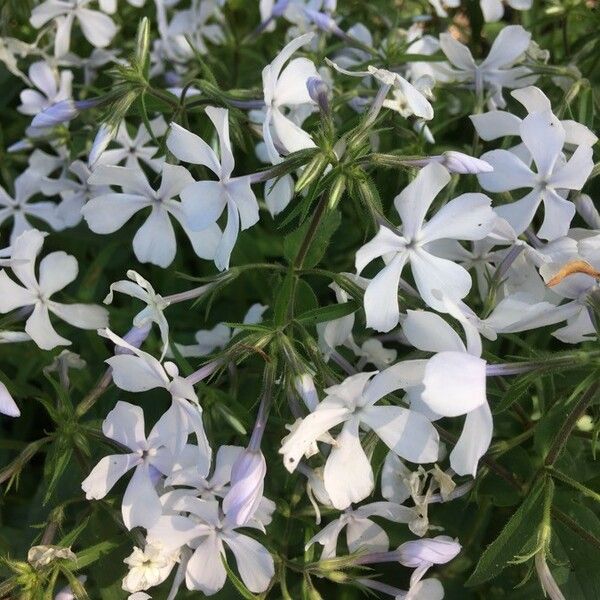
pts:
[279, 8]
[458, 162]
[323, 21]
[305, 386]
[62, 112]
[7, 404]
[103, 138]
[313, 170]
[247, 485]
[318, 90]
[58, 113]
[336, 191]
[436, 551]
[589, 213]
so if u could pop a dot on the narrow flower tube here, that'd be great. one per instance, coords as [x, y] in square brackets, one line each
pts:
[547, 581]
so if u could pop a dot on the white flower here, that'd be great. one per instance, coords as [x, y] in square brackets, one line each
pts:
[495, 124]
[98, 28]
[467, 217]
[191, 29]
[150, 456]
[575, 287]
[134, 370]
[208, 532]
[408, 100]
[454, 382]
[203, 202]
[27, 185]
[493, 10]
[140, 288]
[188, 472]
[147, 568]
[348, 475]
[286, 87]
[209, 340]
[53, 87]
[137, 149]
[497, 71]
[56, 271]
[361, 532]
[544, 137]
[155, 240]
[74, 193]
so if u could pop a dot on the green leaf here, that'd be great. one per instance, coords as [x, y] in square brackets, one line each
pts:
[93, 553]
[583, 576]
[513, 537]
[327, 313]
[57, 461]
[318, 247]
[515, 392]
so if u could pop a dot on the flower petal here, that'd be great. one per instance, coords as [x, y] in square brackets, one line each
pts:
[454, 383]
[467, 217]
[40, 329]
[254, 562]
[125, 424]
[57, 270]
[473, 442]
[415, 199]
[190, 148]
[106, 473]
[348, 475]
[381, 296]
[205, 570]
[407, 433]
[155, 241]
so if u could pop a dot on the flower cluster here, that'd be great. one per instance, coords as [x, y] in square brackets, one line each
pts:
[364, 263]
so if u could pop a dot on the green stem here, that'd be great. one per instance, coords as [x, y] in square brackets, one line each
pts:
[574, 484]
[310, 233]
[559, 515]
[563, 434]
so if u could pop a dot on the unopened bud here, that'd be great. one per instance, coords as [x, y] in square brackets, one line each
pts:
[318, 90]
[323, 21]
[305, 386]
[7, 404]
[589, 213]
[62, 112]
[336, 191]
[458, 162]
[247, 485]
[142, 42]
[103, 138]
[314, 169]
[279, 8]
[436, 551]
